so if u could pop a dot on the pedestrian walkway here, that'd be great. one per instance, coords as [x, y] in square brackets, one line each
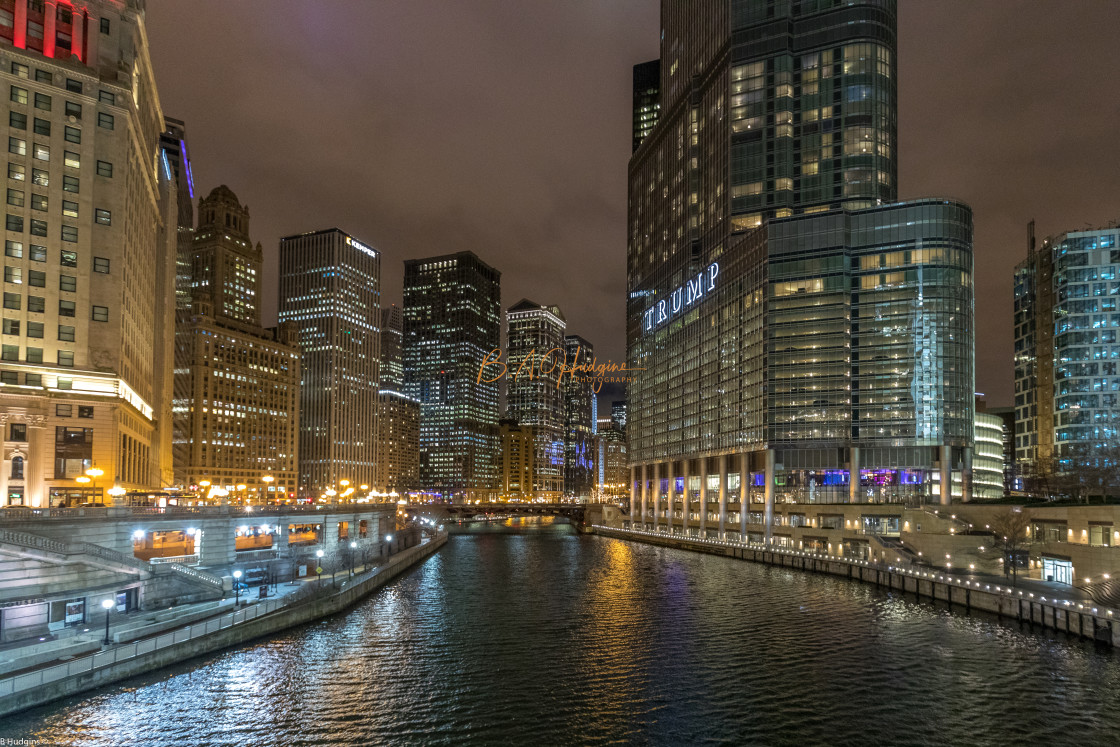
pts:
[20, 656]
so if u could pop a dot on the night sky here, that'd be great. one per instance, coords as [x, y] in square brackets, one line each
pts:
[425, 127]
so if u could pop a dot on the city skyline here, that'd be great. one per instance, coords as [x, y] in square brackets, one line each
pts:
[1015, 164]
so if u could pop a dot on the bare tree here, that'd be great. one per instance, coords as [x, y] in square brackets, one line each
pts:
[1093, 473]
[1010, 530]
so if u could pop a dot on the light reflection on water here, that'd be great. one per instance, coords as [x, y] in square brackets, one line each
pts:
[526, 633]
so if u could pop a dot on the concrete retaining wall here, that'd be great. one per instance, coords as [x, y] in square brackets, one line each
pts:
[962, 594]
[25, 691]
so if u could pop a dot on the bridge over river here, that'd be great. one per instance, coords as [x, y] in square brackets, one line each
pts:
[577, 513]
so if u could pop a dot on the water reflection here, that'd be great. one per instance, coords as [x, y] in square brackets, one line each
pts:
[524, 632]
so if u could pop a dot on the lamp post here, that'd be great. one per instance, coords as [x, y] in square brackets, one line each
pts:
[353, 547]
[237, 588]
[242, 494]
[94, 473]
[319, 566]
[389, 545]
[267, 484]
[107, 604]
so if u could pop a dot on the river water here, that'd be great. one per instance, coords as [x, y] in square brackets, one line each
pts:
[527, 633]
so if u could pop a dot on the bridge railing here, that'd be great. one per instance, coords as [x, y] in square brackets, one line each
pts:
[36, 515]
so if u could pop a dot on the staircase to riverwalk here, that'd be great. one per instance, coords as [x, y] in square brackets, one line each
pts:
[30, 546]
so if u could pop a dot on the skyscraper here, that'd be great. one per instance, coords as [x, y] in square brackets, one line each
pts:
[1067, 357]
[536, 354]
[330, 289]
[793, 337]
[86, 256]
[237, 385]
[579, 420]
[452, 322]
[179, 216]
[516, 456]
[1034, 357]
[647, 97]
[398, 416]
[392, 348]
[618, 414]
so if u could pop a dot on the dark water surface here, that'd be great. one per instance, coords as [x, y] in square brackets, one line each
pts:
[529, 634]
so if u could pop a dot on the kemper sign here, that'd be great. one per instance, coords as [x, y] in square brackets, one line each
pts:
[360, 246]
[681, 298]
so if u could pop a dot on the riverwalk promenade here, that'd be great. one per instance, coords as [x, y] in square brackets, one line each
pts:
[294, 605]
[1027, 601]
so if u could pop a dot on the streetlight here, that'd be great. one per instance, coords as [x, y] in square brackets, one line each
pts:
[237, 588]
[241, 490]
[319, 566]
[107, 604]
[353, 547]
[389, 548]
[267, 484]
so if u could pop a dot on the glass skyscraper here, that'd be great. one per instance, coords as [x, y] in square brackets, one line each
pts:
[1067, 374]
[795, 334]
[452, 321]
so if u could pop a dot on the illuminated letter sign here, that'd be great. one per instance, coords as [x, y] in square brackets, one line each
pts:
[681, 297]
[360, 246]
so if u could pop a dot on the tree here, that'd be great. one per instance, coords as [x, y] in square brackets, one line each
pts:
[1010, 531]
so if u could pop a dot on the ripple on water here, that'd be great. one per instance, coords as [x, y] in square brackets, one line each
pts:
[532, 634]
